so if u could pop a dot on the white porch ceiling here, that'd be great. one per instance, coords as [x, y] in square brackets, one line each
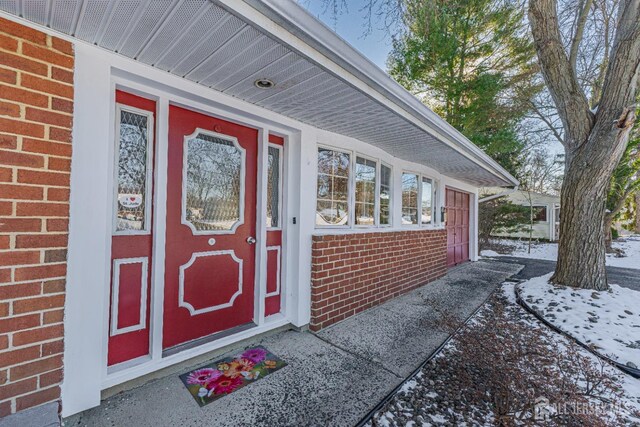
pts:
[201, 41]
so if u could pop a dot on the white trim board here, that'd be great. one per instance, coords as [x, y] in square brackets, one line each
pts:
[277, 291]
[115, 295]
[183, 303]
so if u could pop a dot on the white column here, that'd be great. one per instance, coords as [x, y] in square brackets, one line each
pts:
[261, 227]
[86, 305]
[159, 232]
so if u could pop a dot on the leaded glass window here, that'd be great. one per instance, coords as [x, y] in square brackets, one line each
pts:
[214, 169]
[132, 171]
[273, 186]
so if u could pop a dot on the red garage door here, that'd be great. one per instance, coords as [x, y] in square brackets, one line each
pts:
[457, 204]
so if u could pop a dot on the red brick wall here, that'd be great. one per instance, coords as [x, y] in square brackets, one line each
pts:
[353, 272]
[36, 105]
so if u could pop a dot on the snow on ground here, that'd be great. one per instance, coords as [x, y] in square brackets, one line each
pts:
[418, 395]
[631, 247]
[549, 251]
[609, 321]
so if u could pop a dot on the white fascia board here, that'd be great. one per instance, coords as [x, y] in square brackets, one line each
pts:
[296, 20]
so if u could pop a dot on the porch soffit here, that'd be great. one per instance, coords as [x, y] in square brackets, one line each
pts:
[203, 42]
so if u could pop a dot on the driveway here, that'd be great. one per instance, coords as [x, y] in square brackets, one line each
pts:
[334, 377]
[626, 277]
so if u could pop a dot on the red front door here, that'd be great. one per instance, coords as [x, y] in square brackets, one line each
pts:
[457, 204]
[211, 224]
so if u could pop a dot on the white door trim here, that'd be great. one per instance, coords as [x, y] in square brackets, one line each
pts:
[88, 290]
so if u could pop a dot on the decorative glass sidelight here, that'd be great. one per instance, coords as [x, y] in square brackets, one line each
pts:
[214, 170]
[273, 186]
[133, 168]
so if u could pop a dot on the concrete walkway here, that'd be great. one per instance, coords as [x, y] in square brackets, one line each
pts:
[333, 378]
[626, 277]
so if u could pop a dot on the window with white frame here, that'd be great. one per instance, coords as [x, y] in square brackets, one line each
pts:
[365, 179]
[384, 198]
[410, 191]
[418, 199]
[427, 201]
[332, 208]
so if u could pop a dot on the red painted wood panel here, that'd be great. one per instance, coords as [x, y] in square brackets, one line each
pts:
[130, 294]
[457, 225]
[273, 302]
[130, 345]
[214, 273]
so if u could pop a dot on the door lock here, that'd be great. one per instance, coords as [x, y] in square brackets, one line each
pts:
[251, 240]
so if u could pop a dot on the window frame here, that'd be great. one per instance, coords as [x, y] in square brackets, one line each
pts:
[376, 207]
[419, 199]
[546, 214]
[378, 187]
[350, 189]
[434, 202]
[280, 149]
[146, 230]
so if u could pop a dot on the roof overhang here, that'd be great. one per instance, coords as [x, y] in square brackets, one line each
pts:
[320, 79]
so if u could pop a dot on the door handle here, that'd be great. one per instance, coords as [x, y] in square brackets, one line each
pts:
[251, 240]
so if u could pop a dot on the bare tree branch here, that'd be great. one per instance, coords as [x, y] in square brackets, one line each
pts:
[621, 79]
[545, 120]
[569, 97]
[577, 38]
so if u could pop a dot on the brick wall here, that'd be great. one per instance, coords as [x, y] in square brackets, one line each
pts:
[36, 92]
[353, 272]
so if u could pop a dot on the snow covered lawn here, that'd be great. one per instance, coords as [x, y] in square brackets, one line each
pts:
[549, 251]
[505, 367]
[609, 321]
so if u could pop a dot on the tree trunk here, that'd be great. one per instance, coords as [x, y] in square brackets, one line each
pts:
[594, 142]
[608, 236]
[581, 249]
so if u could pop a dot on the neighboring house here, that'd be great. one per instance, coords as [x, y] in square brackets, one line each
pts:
[546, 215]
[222, 168]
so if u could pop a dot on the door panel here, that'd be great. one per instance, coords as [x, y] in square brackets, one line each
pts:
[211, 214]
[132, 239]
[457, 204]
[273, 296]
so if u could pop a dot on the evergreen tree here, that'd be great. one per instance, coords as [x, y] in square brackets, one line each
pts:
[472, 62]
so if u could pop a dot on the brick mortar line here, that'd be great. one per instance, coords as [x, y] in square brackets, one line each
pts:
[35, 107]
[20, 282]
[36, 390]
[48, 46]
[19, 52]
[37, 343]
[33, 344]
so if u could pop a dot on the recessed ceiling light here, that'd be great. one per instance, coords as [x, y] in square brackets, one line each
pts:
[264, 84]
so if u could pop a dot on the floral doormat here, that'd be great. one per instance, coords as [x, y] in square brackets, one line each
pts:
[225, 376]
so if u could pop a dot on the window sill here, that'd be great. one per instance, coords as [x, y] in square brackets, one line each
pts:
[362, 230]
